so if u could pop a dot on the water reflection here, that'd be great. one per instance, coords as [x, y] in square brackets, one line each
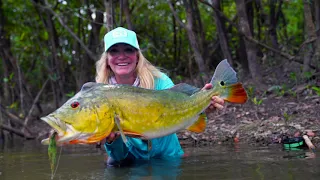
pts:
[300, 153]
[152, 169]
[30, 162]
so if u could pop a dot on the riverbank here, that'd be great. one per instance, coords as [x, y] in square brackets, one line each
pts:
[289, 110]
[262, 124]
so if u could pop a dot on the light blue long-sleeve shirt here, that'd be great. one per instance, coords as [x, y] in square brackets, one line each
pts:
[164, 147]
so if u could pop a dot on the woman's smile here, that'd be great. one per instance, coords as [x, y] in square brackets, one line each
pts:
[123, 64]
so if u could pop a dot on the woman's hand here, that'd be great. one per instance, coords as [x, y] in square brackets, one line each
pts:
[112, 137]
[216, 102]
[109, 139]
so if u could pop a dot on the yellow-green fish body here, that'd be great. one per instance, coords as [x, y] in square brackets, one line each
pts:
[92, 114]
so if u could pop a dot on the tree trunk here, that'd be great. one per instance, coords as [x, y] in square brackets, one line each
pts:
[175, 42]
[311, 33]
[197, 27]
[250, 15]
[222, 32]
[242, 57]
[273, 24]
[11, 64]
[317, 16]
[194, 43]
[55, 65]
[250, 46]
[86, 74]
[127, 14]
[260, 18]
[316, 56]
[192, 38]
[110, 14]
[4, 42]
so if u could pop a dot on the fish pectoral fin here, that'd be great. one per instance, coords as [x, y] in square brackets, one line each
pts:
[117, 121]
[200, 125]
[133, 134]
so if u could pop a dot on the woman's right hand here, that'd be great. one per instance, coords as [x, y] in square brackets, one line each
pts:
[112, 137]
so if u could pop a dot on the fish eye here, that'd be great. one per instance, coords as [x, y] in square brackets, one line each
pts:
[75, 104]
[222, 83]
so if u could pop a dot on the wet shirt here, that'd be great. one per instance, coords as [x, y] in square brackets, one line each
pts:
[163, 147]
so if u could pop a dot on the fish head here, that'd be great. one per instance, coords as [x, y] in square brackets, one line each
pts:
[84, 119]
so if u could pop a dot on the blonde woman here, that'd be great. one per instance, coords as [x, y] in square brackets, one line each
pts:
[123, 63]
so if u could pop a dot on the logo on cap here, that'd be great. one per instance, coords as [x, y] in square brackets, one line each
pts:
[119, 34]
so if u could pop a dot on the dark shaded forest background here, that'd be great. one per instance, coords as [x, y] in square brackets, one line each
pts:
[48, 48]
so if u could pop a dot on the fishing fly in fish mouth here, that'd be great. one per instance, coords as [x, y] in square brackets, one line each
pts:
[134, 100]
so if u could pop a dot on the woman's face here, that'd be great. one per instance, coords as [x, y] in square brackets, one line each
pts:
[122, 59]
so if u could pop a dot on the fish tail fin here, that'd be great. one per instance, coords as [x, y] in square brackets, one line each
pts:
[225, 79]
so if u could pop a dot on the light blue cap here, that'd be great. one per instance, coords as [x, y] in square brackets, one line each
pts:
[120, 35]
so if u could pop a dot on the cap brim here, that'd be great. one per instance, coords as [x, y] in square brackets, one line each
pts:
[119, 41]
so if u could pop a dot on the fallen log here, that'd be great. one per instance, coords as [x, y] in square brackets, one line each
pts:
[16, 131]
[14, 119]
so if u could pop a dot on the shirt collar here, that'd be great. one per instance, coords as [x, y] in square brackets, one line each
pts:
[113, 81]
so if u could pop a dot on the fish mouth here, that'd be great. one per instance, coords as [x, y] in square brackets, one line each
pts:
[65, 132]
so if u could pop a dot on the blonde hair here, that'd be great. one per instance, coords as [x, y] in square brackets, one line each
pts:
[145, 71]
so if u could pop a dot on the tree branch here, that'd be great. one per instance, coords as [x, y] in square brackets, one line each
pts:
[15, 119]
[34, 103]
[15, 131]
[175, 15]
[12, 117]
[286, 55]
[90, 53]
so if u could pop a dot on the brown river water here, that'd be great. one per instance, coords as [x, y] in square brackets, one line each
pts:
[29, 161]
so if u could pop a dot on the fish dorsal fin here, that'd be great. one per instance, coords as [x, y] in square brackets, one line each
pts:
[200, 125]
[185, 88]
[88, 86]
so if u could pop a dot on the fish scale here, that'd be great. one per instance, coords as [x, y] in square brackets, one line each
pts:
[169, 115]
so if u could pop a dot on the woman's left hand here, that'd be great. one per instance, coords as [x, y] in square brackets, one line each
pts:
[216, 102]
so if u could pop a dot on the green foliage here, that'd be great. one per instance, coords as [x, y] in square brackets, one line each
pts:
[8, 79]
[281, 91]
[287, 117]
[307, 75]
[316, 89]
[293, 76]
[256, 101]
[293, 11]
[292, 93]
[252, 96]
[70, 94]
[14, 106]
[250, 92]
[178, 78]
